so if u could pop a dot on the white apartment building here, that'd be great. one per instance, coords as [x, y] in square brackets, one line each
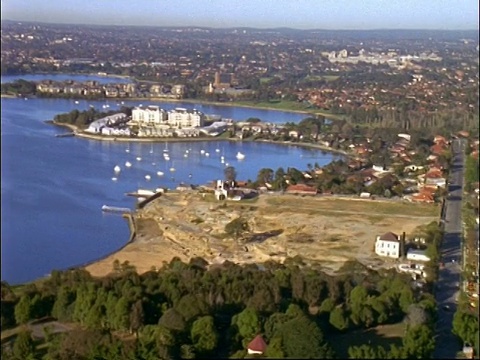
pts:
[177, 119]
[150, 115]
[183, 118]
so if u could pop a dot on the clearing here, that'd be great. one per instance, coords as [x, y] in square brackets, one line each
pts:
[324, 230]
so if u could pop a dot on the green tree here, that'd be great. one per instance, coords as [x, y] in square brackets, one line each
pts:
[23, 310]
[204, 335]
[418, 342]
[338, 319]
[265, 175]
[366, 352]
[23, 347]
[191, 306]
[465, 326]
[247, 322]
[274, 323]
[61, 307]
[173, 320]
[302, 338]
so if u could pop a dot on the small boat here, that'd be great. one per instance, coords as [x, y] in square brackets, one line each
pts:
[222, 157]
[128, 164]
[147, 177]
[160, 173]
[151, 149]
[127, 150]
[207, 154]
[185, 155]
[240, 156]
[117, 169]
[222, 161]
[217, 150]
[115, 209]
[153, 163]
[139, 158]
[114, 178]
[77, 102]
[202, 152]
[172, 169]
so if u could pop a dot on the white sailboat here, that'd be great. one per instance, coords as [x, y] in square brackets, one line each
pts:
[172, 168]
[151, 149]
[147, 177]
[240, 156]
[217, 150]
[114, 178]
[160, 173]
[139, 158]
[117, 169]
[128, 164]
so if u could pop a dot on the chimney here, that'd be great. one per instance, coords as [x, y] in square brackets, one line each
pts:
[402, 245]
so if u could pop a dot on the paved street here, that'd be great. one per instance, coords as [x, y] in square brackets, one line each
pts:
[447, 344]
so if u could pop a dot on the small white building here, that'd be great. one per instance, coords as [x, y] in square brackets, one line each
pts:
[388, 245]
[417, 255]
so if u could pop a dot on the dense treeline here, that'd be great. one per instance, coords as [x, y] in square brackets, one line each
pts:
[18, 87]
[82, 119]
[189, 310]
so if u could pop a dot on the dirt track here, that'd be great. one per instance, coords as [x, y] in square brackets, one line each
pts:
[324, 230]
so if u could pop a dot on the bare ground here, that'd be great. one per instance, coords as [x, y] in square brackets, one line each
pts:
[328, 231]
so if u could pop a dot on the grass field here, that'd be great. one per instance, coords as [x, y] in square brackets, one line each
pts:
[384, 335]
[355, 206]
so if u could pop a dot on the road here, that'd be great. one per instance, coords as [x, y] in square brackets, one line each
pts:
[447, 344]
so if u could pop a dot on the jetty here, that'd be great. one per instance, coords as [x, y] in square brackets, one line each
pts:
[115, 209]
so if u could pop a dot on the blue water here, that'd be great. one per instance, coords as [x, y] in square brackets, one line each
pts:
[52, 189]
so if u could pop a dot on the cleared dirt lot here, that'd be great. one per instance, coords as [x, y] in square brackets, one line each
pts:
[324, 230]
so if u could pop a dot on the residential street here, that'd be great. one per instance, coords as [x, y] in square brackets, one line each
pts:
[447, 344]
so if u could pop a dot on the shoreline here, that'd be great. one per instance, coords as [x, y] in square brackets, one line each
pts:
[82, 134]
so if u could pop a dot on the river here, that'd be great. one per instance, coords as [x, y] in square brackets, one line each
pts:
[52, 189]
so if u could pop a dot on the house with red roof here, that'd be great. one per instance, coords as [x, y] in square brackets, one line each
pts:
[257, 346]
[301, 189]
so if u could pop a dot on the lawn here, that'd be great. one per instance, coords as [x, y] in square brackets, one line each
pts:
[336, 206]
[384, 335]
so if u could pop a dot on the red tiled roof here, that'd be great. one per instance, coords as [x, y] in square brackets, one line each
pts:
[258, 344]
[302, 188]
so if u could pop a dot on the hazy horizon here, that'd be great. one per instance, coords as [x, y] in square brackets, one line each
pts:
[440, 15]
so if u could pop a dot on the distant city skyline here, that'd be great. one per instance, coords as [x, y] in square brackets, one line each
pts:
[297, 14]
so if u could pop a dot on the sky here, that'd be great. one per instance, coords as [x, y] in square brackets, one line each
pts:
[297, 14]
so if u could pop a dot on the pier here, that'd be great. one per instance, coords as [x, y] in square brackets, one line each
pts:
[115, 209]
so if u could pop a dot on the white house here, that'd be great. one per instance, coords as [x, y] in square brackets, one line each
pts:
[417, 255]
[388, 245]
